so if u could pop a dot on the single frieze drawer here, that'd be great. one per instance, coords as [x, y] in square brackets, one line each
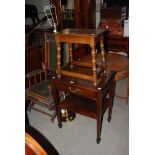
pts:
[77, 90]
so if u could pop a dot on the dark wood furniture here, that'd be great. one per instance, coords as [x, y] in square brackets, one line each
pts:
[84, 17]
[33, 58]
[116, 12]
[115, 62]
[37, 79]
[84, 14]
[114, 9]
[84, 98]
[118, 62]
[112, 18]
[90, 71]
[116, 42]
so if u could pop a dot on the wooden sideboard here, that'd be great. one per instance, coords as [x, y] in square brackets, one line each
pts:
[117, 43]
[114, 38]
[83, 15]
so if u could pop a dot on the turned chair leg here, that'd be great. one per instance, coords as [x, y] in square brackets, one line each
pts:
[54, 112]
[31, 104]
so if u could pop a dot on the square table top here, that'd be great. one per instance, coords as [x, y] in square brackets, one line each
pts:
[83, 36]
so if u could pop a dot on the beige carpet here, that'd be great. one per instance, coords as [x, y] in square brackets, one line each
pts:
[79, 136]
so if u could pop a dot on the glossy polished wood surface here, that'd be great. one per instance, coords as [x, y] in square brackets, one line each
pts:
[114, 62]
[85, 98]
[80, 36]
[83, 36]
[32, 147]
[118, 63]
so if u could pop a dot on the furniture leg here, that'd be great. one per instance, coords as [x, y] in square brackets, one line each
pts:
[111, 98]
[102, 51]
[127, 91]
[93, 53]
[70, 56]
[56, 97]
[99, 118]
[26, 115]
[58, 59]
[58, 110]
[98, 130]
[54, 113]
[31, 104]
[59, 118]
[126, 97]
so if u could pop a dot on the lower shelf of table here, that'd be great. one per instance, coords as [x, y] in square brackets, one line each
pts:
[82, 105]
[83, 72]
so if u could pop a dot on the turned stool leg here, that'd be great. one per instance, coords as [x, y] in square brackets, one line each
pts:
[70, 55]
[102, 51]
[58, 59]
[93, 53]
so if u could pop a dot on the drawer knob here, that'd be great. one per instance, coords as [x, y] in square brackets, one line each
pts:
[73, 91]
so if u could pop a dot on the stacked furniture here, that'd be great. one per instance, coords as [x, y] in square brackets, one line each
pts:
[88, 86]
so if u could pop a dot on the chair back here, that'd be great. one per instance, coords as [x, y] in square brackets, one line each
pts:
[50, 51]
[33, 58]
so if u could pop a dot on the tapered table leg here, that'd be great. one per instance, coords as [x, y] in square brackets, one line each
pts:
[111, 97]
[99, 117]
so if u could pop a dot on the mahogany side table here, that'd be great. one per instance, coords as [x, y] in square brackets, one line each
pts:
[84, 98]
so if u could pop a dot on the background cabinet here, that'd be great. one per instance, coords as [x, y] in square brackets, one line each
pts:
[84, 15]
[112, 16]
[114, 8]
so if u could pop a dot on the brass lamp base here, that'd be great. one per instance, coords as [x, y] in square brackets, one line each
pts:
[67, 116]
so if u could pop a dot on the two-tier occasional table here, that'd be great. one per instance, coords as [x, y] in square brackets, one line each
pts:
[79, 69]
[84, 98]
[88, 86]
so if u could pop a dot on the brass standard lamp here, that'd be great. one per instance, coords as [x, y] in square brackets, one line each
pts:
[50, 11]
